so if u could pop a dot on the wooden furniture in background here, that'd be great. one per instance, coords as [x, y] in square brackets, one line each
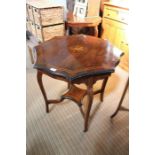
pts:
[76, 22]
[115, 24]
[76, 59]
[102, 4]
[44, 20]
[87, 25]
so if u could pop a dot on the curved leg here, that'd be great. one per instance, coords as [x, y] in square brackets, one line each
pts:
[90, 95]
[121, 101]
[40, 82]
[103, 88]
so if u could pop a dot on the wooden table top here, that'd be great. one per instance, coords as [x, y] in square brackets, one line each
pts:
[82, 22]
[76, 56]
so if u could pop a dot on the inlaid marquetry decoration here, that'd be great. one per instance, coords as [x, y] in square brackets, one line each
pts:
[77, 49]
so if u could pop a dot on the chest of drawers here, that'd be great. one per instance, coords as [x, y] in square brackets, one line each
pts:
[45, 21]
[115, 29]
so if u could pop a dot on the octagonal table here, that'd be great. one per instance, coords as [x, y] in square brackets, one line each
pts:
[76, 59]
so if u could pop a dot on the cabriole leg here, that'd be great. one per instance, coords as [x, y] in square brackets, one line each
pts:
[40, 82]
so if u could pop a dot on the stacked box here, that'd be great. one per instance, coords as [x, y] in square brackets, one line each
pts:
[45, 21]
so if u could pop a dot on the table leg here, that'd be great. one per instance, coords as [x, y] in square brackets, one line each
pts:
[40, 82]
[69, 85]
[96, 31]
[47, 102]
[70, 31]
[90, 101]
[121, 101]
[103, 88]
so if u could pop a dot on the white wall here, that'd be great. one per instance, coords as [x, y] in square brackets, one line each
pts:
[59, 2]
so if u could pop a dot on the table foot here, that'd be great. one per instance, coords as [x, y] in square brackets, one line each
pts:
[47, 108]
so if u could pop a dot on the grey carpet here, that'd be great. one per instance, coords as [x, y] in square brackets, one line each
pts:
[61, 131]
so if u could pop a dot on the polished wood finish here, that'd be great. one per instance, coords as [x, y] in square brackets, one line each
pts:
[103, 88]
[76, 59]
[76, 22]
[76, 94]
[76, 56]
[90, 97]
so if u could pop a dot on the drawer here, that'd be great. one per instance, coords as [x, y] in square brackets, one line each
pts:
[46, 33]
[30, 12]
[116, 14]
[51, 16]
